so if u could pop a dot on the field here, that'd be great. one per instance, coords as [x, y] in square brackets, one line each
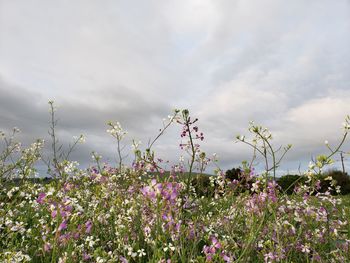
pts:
[141, 213]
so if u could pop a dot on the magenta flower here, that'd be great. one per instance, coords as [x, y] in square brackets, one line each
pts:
[47, 247]
[210, 251]
[270, 257]
[63, 225]
[76, 235]
[41, 198]
[123, 259]
[86, 256]
[54, 213]
[64, 239]
[148, 192]
[226, 258]
[88, 226]
[215, 243]
[67, 187]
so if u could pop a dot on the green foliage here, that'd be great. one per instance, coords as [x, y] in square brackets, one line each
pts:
[327, 181]
[202, 185]
[234, 174]
[339, 178]
[290, 181]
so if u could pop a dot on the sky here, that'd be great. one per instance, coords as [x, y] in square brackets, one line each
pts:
[282, 64]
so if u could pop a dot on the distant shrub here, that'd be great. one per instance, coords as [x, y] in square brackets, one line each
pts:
[289, 182]
[234, 174]
[241, 180]
[202, 186]
[236, 179]
[342, 180]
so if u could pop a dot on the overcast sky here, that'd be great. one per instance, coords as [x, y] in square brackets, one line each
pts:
[283, 64]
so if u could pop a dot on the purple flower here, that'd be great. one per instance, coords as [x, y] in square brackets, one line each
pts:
[40, 198]
[215, 243]
[86, 256]
[47, 247]
[54, 213]
[63, 225]
[148, 192]
[318, 185]
[123, 259]
[88, 226]
[209, 252]
[64, 239]
[226, 258]
[76, 235]
[270, 257]
[67, 187]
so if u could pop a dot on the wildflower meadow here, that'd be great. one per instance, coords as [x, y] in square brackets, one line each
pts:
[145, 212]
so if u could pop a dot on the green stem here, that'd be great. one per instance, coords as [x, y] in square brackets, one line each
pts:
[192, 156]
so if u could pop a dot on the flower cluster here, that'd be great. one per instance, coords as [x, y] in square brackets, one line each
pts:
[116, 130]
[144, 213]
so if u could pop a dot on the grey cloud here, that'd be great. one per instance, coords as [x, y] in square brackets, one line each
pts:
[28, 111]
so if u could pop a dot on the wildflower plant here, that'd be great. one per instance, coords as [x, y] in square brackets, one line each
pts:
[117, 132]
[60, 157]
[261, 144]
[16, 161]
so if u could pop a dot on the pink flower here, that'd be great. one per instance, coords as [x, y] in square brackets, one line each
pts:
[41, 198]
[215, 243]
[67, 187]
[63, 225]
[226, 258]
[270, 257]
[54, 213]
[47, 247]
[88, 226]
[318, 185]
[76, 235]
[86, 256]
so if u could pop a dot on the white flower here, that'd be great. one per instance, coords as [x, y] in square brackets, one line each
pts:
[16, 257]
[335, 231]
[116, 130]
[346, 125]
[51, 191]
[90, 241]
[12, 191]
[70, 166]
[135, 145]
[131, 252]
[311, 165]
[82, 138]
[99, 260]
[305, 249]
[255, 186]
[18, 227]
[170, 246]
[96, 156]
[9, 194]
[141, 252]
